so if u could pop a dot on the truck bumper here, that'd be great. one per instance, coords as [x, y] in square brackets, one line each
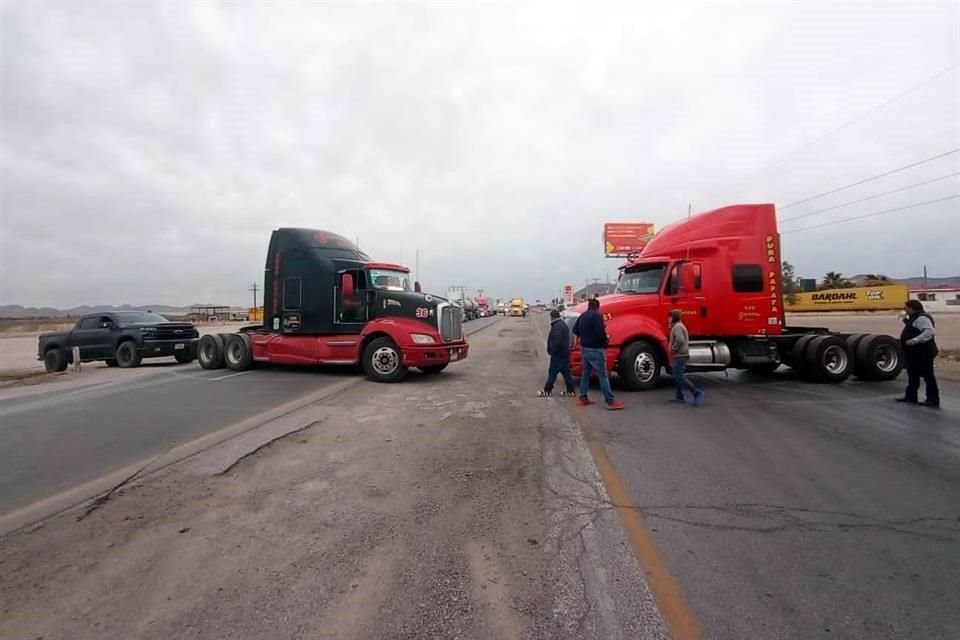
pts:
[434, 354]
[159, 348]
[576, 362]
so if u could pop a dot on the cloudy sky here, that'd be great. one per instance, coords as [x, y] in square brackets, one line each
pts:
[147, 150]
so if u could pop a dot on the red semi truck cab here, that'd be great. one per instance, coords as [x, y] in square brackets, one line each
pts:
[721, 269]
[326, 302]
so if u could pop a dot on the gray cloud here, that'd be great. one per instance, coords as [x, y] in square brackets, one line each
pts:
[146, 150]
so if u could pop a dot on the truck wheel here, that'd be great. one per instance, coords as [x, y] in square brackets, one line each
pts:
[55, 360]
[798, 358]
[640, 366]
[237, 353]
[210, 351]
[127, 355]
[853, 341]
[879, 358]
[383, 361]
[829, 359]
[437, 368]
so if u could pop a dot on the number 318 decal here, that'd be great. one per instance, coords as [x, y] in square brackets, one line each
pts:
[422, 312]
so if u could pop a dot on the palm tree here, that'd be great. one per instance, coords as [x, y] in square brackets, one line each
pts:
[835, 280]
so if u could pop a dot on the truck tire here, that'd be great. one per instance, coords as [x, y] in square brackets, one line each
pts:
[210, 351]
[55, 360]
[640, 366]
[383, 361]
[798, 358]
[237, 352]
[435, 369]
[127, 356]
[853, 341]
[829, 359]
[879, 358]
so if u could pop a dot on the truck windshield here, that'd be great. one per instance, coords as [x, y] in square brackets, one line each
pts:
[139, 317]
[388, 280]
[642, 279]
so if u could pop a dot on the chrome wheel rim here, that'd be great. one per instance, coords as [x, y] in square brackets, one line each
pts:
[385, 360]
[886, 358]
[835, 359]
[235, 352]
[645, 366]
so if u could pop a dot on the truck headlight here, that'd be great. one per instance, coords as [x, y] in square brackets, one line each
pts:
[422, 338]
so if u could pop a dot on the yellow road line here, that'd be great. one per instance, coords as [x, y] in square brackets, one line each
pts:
[666, 592]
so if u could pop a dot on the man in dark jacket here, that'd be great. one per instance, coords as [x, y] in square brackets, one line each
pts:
[920, 349]
[558, 347]
[593, 351]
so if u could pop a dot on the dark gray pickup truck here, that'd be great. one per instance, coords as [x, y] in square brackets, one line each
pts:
[121, 338]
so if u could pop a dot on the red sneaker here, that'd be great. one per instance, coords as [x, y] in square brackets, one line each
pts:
[616, 405]
[584, 401]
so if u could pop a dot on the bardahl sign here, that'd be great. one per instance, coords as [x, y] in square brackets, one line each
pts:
[622, 239]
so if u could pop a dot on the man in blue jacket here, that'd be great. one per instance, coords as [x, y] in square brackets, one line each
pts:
[558, 347]
[593, 351]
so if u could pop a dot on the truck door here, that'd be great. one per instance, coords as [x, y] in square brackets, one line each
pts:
[89, 336]
[351, 307]
[684, 290]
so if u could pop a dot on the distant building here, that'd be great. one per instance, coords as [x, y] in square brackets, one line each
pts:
[593, 290]
[938, 300]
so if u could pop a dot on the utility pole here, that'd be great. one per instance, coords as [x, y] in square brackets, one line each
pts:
[254, 287]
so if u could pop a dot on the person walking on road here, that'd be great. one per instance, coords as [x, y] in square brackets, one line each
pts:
[558, 348]
[920, 349]
[680, 350]
[593, 351]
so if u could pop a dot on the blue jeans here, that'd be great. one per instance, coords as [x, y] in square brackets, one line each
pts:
[559, 364]
[595, 359]
[680, 378]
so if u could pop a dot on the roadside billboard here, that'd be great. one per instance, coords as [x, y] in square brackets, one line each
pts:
[622, 239]
[568, 294]
[856, 299]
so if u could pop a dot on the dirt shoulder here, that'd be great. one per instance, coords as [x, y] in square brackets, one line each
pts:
[420, 510]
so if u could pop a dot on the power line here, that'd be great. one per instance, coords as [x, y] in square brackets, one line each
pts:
[879, 195]
[863, 115]
[875, 213]
[871, 179]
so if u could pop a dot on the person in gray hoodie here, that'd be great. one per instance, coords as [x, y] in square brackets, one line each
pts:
[680, 351]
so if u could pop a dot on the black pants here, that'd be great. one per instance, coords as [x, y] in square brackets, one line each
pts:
[561, 365]
[921, 366]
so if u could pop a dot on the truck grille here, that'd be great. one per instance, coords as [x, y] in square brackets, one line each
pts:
[451, 323]
[172, 333]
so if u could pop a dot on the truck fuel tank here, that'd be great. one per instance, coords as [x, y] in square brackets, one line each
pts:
[710, 353]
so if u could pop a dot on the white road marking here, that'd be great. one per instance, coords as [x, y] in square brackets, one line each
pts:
[232, 375]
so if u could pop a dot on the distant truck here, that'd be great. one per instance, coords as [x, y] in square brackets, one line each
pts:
[121, 339]
[721, 270]
[517, 308]
[328, 303]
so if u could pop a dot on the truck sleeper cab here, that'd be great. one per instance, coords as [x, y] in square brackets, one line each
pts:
[328, 303]
[721, 269]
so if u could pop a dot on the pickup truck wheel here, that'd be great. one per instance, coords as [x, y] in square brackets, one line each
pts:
[127, 355]
[640, 366]
[55, 360]
[829, 359]
[210, 351]
[184, 357]
[437, 368]
[879, 358]
[237, 353]
[111, 362]
[383, 361]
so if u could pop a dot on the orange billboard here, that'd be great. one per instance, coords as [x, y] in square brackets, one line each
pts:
[621, 239]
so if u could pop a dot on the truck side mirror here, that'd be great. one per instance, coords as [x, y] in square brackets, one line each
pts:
[348, 289]
[687, 278]
[417, 287]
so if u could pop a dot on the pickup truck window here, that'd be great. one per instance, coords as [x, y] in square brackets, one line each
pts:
[748, 278]
[89, 323]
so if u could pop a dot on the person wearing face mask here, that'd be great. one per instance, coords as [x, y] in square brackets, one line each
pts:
[920, 350]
